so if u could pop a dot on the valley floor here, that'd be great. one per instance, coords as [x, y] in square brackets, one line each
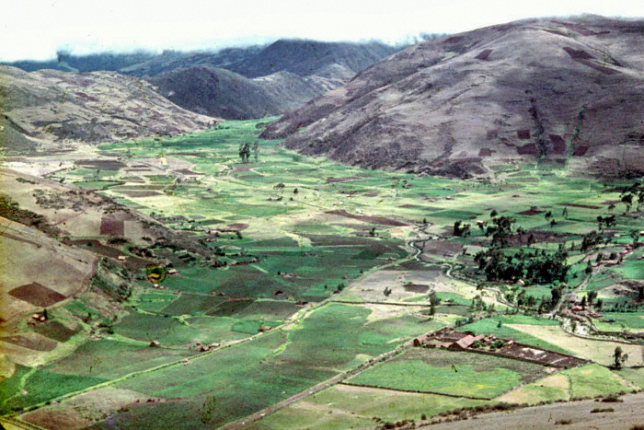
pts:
[176, 286]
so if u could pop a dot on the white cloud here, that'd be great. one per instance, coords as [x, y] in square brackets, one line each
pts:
[35, 29]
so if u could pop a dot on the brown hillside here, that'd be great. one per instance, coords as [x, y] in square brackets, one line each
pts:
[562, 91]
[52, 106]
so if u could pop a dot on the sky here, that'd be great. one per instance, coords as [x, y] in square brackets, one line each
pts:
[37, 29]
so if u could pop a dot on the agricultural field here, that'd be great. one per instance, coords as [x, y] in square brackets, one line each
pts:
[450, 372]
[187, 288]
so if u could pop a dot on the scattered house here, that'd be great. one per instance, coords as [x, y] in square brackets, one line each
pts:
[185, 361]
[155, 344]
[447, 300]
[172, 272]
[577, 308]
[39, 317]
[521, 282]
[489, 339]
[301, 303]
[121, 258]
[466, 341]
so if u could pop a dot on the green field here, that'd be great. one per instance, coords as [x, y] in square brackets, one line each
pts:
[345, 407]
[450, 372]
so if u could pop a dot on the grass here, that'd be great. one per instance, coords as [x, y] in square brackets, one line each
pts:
[617, 321]
[40, 386]
[345, 407]
[593, 380]
[449, 372]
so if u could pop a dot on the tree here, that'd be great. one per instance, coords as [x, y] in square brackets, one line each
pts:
[627, 199]
[256, 151]
[244, 152]
[433, 302]
[635, 235]
[564, 213]
[44, 314]
[611, 207]
[208, 407]
[530, 240]
[619, 358]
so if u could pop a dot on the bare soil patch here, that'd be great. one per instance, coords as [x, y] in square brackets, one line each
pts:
[111, 165]
[54, 330]
[332, 180]
[369, 219]
[483, 55]
[112, 227]
[575, 205]
[523, 134]
[416, 288]
[530, 212]
[244, 168]
[529, 149]
[441, 247]
[37, 294]
[31, 341]
[580, 151]
[141, 193]
[236, 227]
[189, 172]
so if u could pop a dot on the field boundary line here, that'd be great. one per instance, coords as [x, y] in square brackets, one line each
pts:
[402, 390]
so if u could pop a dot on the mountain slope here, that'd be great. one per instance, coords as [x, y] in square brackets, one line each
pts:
[524, 91]
[225, 94]
[307, 57]
[216, 92]
[95, 107]
[172, 60]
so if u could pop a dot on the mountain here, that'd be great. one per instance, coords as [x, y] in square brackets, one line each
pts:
[561, 91]
[308, 57]
[225, 94]
[66, 62]
[237, 83]
[52, 106]
[173, 60]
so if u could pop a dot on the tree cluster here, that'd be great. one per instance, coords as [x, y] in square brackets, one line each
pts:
[536, 266]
